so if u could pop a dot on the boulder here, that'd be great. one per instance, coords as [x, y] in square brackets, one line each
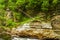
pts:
[56, 24]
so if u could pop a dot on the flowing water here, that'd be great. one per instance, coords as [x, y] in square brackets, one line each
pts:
[15, 38]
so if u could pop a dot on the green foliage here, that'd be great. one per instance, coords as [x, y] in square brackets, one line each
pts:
[2, 1]
[45, 5]
[19, 16]
[20, 2]
[10, 22]
[55, 2]
[5, 36]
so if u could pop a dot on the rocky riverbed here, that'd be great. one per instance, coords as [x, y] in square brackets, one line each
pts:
[35, 32]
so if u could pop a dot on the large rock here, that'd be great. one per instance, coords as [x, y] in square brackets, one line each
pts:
[35, 29]
[56, 24]
[37, 33]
